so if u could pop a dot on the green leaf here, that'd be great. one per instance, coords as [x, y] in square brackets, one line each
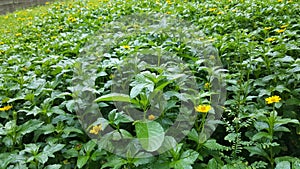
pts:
[42, 157]
[186, 160]
[259, 135]
[136, 90]
[54, 166]
[29, 126]
[150, 134]
[114, 97]
[89, 146]
[283, 165]
[82, 160]
[114, 162]
[257, 151]
[213, 145]
[52, 148]
[213, 164]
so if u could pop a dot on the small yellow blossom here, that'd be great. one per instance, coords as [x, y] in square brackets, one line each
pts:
[207, 85]
[267, 28]
[18, 34]
[280, 30]
[72, 19]
[1, 43]
[169, 2]
[95, 130]
[270, 39]
[126, 47]
[203, 108]
[273, 99]
[47, 3]
[168, 12]
[5, 108]
[212, 9]
[151, 117]
[284, 26]
[279, 0]
[6, 17]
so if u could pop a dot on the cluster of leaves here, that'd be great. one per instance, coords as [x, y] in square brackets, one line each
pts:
[257, 41]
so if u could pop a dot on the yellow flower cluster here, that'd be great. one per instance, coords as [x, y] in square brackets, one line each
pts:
[5, 108]
[95, 130]
[270, 39]
[126, 47]
[280, 30]
[212, 9]
[273, 99]
[203, 108]
[72, 19]
[18, 34]
[169, 2]
[1, 43]
[267, 28]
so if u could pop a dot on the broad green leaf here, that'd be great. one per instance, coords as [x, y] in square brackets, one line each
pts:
[82, 160]
[42, 157]
[29, 126]
[257, 151]
[260, 135]
[52, 148]
[114, 97]
[54, 166]
[283, 165]
[213, 164]
[114, 162]
[136, 90]
[89, 146]
[213, 145]
[150, 134]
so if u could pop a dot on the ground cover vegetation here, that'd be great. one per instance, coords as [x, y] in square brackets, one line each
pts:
[257, 43]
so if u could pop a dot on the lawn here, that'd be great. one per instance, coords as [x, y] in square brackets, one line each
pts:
[151, 84]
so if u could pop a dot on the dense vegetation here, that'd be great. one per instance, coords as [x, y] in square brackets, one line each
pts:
[64, 63]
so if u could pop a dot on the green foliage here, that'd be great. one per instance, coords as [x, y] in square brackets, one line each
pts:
[40, 54]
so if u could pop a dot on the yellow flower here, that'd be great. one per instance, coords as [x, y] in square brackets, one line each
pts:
[168, 12]
[280, 30]
[273, 99]
[203, 108]
[207, 85]
[284, 26]
[270, 39]
[72, 19]
[169, 2]
[267, 28]
[18, 34]
[95, 130]
[151, 117]
[5, 108]
[126, 47]
[1, 43]
[219, 13]
[47, 3]
[212, 9]
[6, 17]
[279, 0]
